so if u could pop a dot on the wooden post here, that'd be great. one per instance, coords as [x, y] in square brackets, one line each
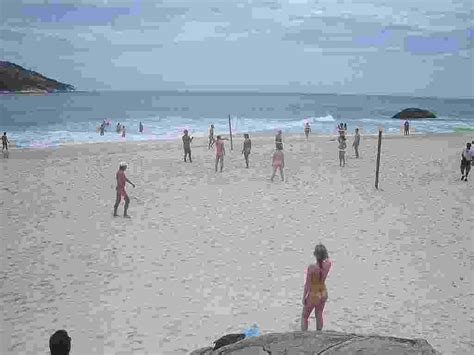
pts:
[230, 130]
[378, 161]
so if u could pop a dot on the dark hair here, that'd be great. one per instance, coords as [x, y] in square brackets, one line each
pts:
[218, 137]
[468, 145]
[4, 132]
[321, 254]
[246, 135]
[60, 343]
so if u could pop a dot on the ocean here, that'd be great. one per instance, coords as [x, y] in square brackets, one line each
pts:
[39, 120]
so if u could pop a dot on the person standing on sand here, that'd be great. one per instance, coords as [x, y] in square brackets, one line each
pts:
[187, 145]
[123, 131]
[118, 127]
[278, 163]
[278, 141]
[406, 128]
[307, 130]
[5, 142]
[140, 127]
[121, 180]
[356, 142]
[315, 293]
[211, 137]
[247, 148]
[342, 149]
[220, 152]
[466, 160]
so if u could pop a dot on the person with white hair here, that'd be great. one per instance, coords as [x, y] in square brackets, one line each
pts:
[121, 180]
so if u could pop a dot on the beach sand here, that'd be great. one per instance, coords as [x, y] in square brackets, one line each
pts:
[207, 254]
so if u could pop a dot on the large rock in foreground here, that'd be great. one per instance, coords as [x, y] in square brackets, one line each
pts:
[323, 343]
[411, 113]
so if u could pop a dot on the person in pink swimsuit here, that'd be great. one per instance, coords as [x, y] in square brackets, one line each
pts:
[121, 180]
[220, 152]
[315, 293]
[278, 163]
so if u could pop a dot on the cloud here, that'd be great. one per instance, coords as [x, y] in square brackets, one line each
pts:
[432, 45]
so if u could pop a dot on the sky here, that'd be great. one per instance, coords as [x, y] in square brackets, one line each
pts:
[398, 47]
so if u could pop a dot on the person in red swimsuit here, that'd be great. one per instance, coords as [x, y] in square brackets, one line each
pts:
[315, 293]
[121, 180]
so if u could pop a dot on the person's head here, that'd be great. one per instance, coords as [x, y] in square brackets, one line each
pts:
[212, 126]
[357, 130]
[4, 133]
[321, 254]
[185, 132]
[468, 145]
[60, 343]
[123, 166]
[279, 131]
[246, 135]
[218, 138]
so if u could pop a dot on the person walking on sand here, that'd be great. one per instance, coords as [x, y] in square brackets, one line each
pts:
[187, 145]
[278, 141]
[342, 149]
[220, 152]
[5, 142]
[315, 293]
[278, 163]
[211, 137]
[140, 127]
[246, 149]
[356, 142]
[121, 180]
[406, 128]
[466, 160]
[307, 130]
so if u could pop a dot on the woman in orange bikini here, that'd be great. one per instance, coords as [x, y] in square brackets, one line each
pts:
[315, 292]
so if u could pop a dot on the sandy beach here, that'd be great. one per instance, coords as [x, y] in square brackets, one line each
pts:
[207, 254]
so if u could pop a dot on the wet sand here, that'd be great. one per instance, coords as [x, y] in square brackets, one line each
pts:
[205, 254]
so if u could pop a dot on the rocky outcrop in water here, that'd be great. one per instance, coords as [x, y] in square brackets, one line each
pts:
[413, 113]
[326, 343]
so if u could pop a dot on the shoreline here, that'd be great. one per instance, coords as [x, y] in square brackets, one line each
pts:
[287, 139]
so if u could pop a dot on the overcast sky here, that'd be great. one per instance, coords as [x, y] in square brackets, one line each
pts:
[416, 47]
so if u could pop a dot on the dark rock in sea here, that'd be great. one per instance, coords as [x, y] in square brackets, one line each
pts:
[14, 78]
[326, 342]
[227, 340]
[413, 113]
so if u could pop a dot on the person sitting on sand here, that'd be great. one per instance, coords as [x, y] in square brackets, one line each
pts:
[466, 160]
[246, 149]
[315, 293]
[307, 130]
[60, 343]
[356, 142]
[278, 163]
[5, 142]
[187, 145]
[211, 137]
[121, 180]
[220, 152]
[278, 141]
[342, 149]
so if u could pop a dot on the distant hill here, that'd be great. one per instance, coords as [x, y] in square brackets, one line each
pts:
[14, 78]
